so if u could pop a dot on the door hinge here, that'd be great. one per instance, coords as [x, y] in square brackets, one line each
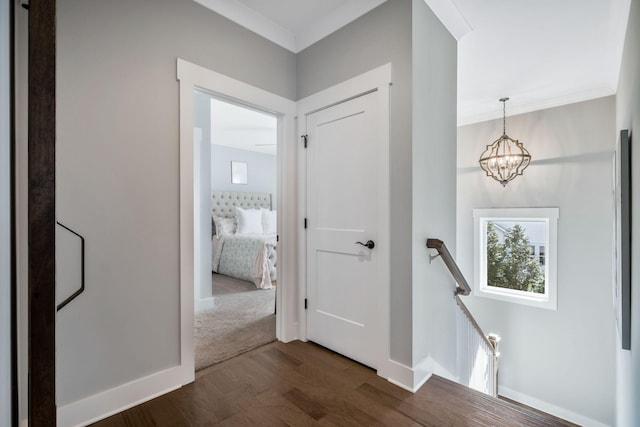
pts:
[305, 139]
[305, 303]
[305, 223]
[277, 237]
[25, 5]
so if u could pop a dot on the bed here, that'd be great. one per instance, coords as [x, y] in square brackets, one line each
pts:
[251, 256]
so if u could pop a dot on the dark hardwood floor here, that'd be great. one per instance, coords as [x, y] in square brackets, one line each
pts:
[302, 384]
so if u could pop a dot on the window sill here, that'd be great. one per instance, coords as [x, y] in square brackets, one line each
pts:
[548, 302]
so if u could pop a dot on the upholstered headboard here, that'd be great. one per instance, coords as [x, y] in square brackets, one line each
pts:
[223, 202]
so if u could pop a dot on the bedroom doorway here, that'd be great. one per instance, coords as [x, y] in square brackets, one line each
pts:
[236, 165]
[191, 77]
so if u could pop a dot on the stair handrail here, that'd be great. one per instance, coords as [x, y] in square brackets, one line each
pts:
[462, 287]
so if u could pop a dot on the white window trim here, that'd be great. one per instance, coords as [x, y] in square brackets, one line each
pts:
[550, 299]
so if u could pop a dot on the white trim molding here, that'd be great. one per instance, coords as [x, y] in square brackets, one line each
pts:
[411, 379]
[305, 35]
[549, 408]
[405, 377]
[252, 20]
[338, 18]
[349, 89]
[115, 400]
[547, 216]
[449, 14]
[485, 110]
[191, 77]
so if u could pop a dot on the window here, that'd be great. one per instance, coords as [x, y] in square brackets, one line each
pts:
[515, 255]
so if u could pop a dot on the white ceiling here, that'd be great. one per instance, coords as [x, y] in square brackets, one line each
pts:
[243, 128]
[540, 53]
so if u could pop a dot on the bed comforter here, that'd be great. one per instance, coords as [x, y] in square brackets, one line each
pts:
[247, 257]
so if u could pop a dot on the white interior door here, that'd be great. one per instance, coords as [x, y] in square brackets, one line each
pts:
[343, 193]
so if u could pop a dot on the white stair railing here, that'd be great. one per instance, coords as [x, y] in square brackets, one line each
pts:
[477, 352]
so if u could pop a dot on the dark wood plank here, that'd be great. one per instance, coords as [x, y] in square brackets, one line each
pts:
[276, 359]
[536, 411]
[273, 406]
[308, 405]
[114, 421]
[270, 409]
[315, 353]
[193, 403]
[41, 216]
[302, 384]
[160, 412]
[419, 415]
[330, 389]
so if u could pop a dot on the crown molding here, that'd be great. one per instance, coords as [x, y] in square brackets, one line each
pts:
[252, 20]
[448, 13]
[521, 106]
[338, 18]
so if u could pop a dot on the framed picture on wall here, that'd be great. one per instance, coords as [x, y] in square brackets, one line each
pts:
[238, 173]
[622, 250]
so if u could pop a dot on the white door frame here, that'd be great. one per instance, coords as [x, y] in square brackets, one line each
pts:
[192, 76]
[378, 79]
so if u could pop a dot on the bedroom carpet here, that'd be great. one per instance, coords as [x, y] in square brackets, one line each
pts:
[243, 318]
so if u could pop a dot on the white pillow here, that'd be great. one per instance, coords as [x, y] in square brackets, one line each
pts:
[269, 221]
[249, 221]
[224, 226]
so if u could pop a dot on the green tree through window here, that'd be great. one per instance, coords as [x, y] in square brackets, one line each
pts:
[510, 264]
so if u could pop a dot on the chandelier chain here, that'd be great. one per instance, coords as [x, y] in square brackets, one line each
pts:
[504, 117]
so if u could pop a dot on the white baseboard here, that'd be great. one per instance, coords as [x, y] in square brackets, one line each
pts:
[117, 399]
[204, 304]
[290, 334]
[398, 374]
[410, 379]
[549, 408]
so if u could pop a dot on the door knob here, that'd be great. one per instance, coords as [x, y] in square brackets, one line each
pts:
[370, 244]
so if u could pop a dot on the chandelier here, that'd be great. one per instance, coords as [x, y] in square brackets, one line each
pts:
[505, 158]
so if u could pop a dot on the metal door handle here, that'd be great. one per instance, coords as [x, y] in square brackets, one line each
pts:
[81, 290]
[370, 244]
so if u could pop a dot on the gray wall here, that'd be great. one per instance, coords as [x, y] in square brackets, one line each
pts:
[118, 165]
[381, 36]
[262, 172]
[434, 185]
[628, 117]
[118, 162]
[562, 357]
[5, 215]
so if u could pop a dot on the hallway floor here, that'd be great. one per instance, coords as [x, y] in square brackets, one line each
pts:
[303, 384]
